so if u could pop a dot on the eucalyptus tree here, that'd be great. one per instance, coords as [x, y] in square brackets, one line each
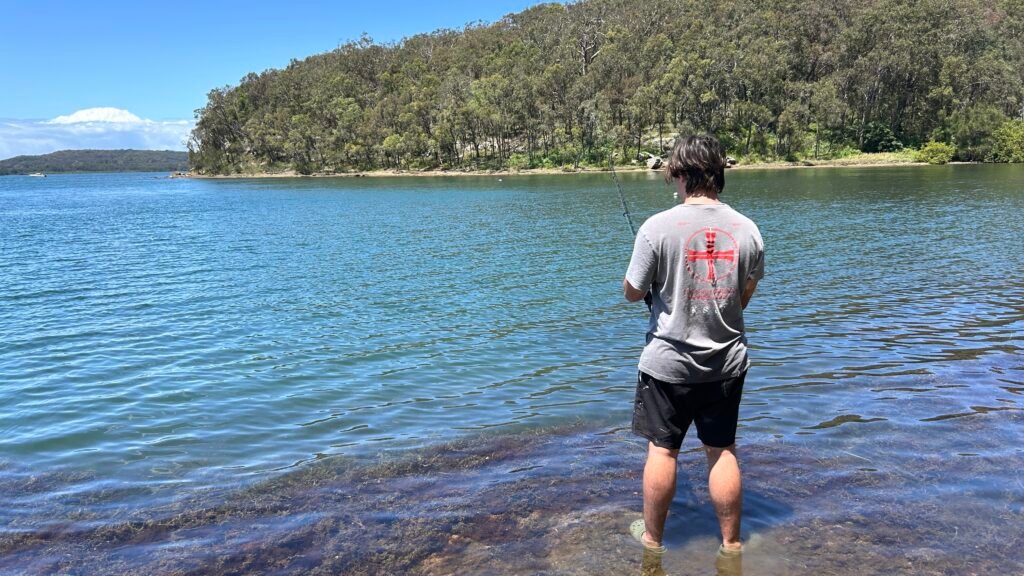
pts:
[563, 84]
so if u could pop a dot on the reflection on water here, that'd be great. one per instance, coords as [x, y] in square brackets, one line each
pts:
[434, 377]
[844, 419]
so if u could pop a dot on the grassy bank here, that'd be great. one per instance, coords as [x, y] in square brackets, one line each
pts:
[859, 159]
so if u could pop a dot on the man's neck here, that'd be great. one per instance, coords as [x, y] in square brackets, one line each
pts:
[701, 197]
[698, 196]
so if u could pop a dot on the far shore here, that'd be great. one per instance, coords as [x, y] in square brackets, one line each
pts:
[856, 162]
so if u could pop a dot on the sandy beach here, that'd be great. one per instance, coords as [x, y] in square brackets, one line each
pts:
[861, 161]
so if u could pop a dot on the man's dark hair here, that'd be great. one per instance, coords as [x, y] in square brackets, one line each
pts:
[700, 161]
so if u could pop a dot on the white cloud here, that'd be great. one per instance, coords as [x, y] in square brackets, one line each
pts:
[94, 128]
[98, 115]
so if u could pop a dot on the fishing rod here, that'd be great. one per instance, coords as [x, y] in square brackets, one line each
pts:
[625, 208]
[648, 299]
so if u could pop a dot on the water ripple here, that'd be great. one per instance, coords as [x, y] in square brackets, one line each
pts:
[160, 336]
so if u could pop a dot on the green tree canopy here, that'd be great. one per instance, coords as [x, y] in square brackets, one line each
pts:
[558, 84]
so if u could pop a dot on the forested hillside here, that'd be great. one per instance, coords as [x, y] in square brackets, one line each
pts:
[564, 85]
[97, 161]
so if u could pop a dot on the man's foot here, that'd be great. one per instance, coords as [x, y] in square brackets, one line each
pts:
[650, 565]
[639, 531]
[729, 563]
[730, 550]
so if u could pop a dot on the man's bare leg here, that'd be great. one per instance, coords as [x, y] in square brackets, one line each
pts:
[659, 490]
[726, 489]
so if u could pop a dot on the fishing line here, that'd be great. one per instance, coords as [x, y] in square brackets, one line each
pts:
[625, 208]
[648, 299]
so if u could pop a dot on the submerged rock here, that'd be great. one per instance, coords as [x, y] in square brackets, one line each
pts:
[558, 502]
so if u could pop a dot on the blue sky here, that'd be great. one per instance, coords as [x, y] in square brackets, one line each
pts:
[148, 65]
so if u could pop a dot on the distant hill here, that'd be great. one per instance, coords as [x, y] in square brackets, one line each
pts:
[97, 161]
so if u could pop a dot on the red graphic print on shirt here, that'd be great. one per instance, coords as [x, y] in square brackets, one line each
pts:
[711, 255]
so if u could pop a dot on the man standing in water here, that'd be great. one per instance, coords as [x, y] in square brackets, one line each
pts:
[701, 261]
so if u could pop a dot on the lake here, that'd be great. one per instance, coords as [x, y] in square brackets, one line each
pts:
[435, 375]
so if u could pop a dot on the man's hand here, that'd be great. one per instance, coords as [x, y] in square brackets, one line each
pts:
[631, 294]
[748, 292]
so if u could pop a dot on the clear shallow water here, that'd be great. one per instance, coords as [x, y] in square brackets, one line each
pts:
[165, 341]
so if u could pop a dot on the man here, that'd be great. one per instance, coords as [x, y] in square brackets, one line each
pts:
[700, 261]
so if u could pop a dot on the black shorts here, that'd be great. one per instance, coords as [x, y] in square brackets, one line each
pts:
[662, 411]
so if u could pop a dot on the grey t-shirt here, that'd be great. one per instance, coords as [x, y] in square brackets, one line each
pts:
[696, 259]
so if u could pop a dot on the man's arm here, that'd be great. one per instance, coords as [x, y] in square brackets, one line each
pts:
[642, 267]
[748, 292]
[631, 293]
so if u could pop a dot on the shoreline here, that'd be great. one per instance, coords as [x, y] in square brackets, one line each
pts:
[516, 504]
[839, 163]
